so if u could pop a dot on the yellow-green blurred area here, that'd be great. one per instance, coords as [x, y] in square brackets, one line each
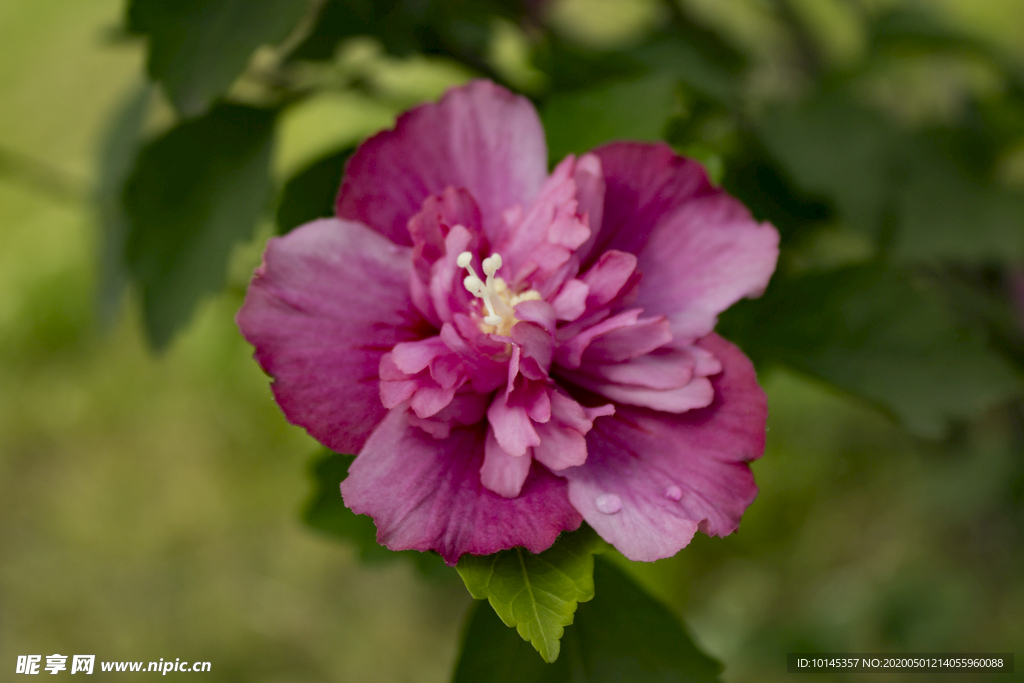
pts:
[150, 503]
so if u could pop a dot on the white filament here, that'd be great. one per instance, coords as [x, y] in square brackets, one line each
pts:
[489, 291]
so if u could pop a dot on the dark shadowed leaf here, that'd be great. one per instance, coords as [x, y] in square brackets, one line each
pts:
[495, 653]
[195, 191]
[877, 333]
[837, 150]
[689, 65]
[116, 162]
[949, 213]
[197, 48]
[461, 29]
[931, 190]
[537, 594]
[621, 635]
[340, 19]
[310, 193]
[326, 512]
[637, 109]
[572, 67]
[756, 179]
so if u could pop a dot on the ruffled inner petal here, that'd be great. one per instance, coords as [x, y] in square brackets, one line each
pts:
[699, 248]
[651, 479]
[503, 473]
[512, 426]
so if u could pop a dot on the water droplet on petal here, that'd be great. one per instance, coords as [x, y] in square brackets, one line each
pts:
[673, 492]
[608, 503]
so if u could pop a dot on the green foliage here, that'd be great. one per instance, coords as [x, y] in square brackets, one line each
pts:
[310, 193]
[880, 334]
[690, 65]
[194, 192]
[833, 148]
[116, 162]
[326, 512]
[460, 29]
[537, 594]
[948, 213]
[493, 652]
[579, 121]
[621, 635]
[197, 48]
[884, 180]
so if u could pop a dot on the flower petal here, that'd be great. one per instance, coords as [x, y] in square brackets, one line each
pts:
[479, 136]
[571, 301]
[512, 426]
[670, 369]
[698, 393]
[537, 243]
[560, 446]
[652, 479]
[698, 248]
[608, 276]
[320, 331]
[502, 473]
[425, 494]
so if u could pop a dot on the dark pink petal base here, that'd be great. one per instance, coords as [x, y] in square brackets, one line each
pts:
[425, 494]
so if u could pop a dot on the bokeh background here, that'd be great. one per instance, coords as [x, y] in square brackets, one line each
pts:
[149, 502]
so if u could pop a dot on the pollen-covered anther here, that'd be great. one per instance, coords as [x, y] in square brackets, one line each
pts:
[497, 299]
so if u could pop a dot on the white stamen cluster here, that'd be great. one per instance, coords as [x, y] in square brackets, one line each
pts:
[493, 292]
[497, 308]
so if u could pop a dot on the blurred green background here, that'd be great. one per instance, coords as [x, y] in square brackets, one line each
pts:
[150, 502]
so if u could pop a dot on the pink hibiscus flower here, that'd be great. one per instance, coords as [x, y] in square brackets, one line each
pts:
[510, 352]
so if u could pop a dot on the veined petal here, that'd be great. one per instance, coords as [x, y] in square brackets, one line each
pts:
[697, 393]
[425, 494]
[502, 473]
[319, 329]
[608, 276]
[652, 479]
[512, 426]
[698, 248]
[479, 137]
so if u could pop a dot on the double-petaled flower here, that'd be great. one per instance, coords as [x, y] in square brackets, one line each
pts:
[511, 352]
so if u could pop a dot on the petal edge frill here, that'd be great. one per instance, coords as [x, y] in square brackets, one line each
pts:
[699, 249]
[480, 137]
[320, 332]
[426, 494]
[663, 476]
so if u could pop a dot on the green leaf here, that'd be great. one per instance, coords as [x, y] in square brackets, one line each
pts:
[326, 512]
[195, 191]
[636, 109]
[197, 48]
[880, 334]
[494, 653]
[947, 213]
[940, 204]
[116, 160]
[756, 180]
[537, 594]
[687, 63]
[833, 148]
[621, 635]
[906, 30]
[310, 193]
